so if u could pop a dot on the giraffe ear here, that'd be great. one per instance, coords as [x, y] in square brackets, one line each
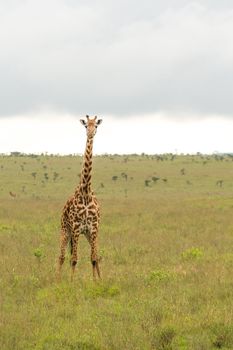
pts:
[99, 121]
[83, 122]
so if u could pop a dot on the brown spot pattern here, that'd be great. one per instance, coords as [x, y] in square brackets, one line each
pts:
[81, 213]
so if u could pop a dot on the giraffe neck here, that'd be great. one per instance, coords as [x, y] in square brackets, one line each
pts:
[85, 180]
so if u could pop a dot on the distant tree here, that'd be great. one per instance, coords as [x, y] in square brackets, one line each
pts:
[125, 176]
[34, 175]
[173, 156]
[16, 154]
[182, 171]
[55, 176]
[219, 183]
[147, 183]
[155, 179]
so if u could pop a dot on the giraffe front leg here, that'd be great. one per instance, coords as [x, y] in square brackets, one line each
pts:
[63, 245]
[74, 252]
[94, 255]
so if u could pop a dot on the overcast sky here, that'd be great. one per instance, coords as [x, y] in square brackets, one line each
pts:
[165, 67]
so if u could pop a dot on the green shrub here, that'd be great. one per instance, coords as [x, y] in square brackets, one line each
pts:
[102, 291]
[159, 276]
[4, 228]
[192, 254]
[38, 253]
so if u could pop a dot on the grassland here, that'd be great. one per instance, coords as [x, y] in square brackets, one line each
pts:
[166, 242]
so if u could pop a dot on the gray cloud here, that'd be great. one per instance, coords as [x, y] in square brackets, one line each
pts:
[120, 58]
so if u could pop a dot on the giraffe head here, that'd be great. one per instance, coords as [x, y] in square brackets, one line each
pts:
[91, 125]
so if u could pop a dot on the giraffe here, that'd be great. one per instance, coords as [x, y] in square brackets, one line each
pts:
[81, 214]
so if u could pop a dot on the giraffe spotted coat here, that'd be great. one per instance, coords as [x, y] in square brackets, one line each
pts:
[81, 213]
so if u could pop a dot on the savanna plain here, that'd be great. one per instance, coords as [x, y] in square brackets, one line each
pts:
[166, 247]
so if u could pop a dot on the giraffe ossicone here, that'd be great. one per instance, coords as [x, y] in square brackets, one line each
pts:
[81, 213]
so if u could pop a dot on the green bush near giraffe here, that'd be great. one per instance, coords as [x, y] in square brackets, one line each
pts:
[166, 243]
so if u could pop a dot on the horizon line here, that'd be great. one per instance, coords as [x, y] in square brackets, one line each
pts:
[37, 154]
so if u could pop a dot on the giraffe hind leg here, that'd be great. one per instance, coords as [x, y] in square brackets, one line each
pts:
[94, 259]
[96, 268]
[94, 255]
